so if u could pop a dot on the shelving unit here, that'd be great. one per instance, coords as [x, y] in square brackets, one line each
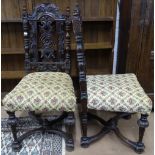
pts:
[87, 46]
[86, 19]
[98, 30]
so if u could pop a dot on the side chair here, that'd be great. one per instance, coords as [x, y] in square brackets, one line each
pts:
[48, 85]
[120, 93]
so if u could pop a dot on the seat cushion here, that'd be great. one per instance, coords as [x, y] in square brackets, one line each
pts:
[119, 93]
[42, 91]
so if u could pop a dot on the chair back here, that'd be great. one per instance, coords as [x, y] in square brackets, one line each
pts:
[47, 39]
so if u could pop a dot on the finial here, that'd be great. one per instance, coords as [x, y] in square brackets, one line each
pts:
[76, 11]
[68, 11]
[24, 8]
[24, 14]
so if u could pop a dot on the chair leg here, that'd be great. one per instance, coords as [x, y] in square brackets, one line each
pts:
[84, 138]
[142, 123]
[127, 117]
[69, 125]
[12, 121]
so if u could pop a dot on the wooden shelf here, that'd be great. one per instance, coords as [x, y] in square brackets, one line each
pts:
[10, 51]
[12, 74]
[94, 71]
[98, 19]
[94, 46]
[8, 75]
[19, 20]
[20, 74]
[85, 19]
[87, 46]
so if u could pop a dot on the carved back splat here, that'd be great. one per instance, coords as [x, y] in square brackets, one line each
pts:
[46, 33]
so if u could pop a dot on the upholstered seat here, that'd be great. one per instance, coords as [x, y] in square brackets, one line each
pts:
[118, 93]
[42, 91]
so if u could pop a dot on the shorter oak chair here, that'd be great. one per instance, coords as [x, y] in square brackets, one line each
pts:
[120, 93]
[48, 85]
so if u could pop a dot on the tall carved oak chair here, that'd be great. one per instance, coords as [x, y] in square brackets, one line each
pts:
[48, 85]
[120, 93]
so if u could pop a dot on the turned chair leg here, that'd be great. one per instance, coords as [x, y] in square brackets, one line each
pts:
[142, 123]
[69, 125]
[84, 138]
[12, 121]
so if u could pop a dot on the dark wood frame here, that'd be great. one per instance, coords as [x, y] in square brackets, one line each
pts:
[48, 63]
[52, 59]
[85, 116]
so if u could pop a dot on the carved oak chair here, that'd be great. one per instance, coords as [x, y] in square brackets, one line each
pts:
[48, 85]
[120, 93]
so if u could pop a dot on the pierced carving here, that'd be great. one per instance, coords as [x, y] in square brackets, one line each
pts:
[46, 30]
[48, 9]
[44, 35]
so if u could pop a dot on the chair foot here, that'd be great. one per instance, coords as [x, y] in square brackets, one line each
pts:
[12, 121]
[142, 123]
[83, 121]
[70, 145]
[139, 148]
[85, 142]
[111, 125]
[70, 124]
[16, 146]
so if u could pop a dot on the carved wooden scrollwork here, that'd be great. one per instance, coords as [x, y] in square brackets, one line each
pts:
[45, 40]
[46, 29]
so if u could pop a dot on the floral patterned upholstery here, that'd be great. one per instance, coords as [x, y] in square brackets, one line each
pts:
[119, 93]
[42, 91]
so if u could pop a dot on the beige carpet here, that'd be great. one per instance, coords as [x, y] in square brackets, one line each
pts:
[110, 144]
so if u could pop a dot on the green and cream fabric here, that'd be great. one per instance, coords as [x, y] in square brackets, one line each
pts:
[120, 93]
[42, 91]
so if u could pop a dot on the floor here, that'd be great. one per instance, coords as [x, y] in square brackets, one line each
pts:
[110, 144]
